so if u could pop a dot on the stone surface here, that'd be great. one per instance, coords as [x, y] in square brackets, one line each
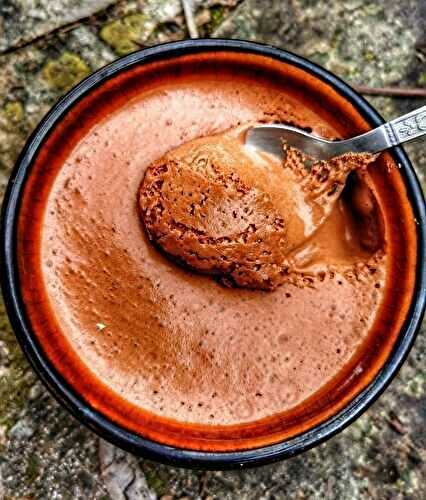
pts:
[122, 474]
[46, 47]
[47, 455]
[360, 40]
[22, 22]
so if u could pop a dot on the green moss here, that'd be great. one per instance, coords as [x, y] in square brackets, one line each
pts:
[32, 470]
[125, 35]
[14, 111]
[217, 14]
[422, 79]
[155, 480]
[369, 56]
[18, 378]
[416, 386]
[65, 72]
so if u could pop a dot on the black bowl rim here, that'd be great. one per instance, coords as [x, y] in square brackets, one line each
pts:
[92, 418]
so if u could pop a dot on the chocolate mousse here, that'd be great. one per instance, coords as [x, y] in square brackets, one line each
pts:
[221, 209]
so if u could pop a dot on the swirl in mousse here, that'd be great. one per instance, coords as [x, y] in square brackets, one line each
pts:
[198, 293]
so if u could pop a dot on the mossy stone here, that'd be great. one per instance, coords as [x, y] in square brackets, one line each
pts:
[16, 379]
[65, 72]
[124, 35]
[14, 111]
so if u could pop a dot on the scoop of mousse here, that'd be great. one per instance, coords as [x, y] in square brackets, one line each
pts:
[219, 208]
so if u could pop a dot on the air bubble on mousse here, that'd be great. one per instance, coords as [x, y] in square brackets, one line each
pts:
[244, 410]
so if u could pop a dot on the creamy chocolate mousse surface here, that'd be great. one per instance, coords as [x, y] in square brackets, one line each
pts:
[173, 342]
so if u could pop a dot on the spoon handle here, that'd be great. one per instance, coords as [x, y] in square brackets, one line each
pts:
[389, 134]
[407, 127]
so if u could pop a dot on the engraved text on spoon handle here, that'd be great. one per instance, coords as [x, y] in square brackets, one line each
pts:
[407, 127]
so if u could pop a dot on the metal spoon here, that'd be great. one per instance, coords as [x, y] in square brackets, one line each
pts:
[270, 138]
